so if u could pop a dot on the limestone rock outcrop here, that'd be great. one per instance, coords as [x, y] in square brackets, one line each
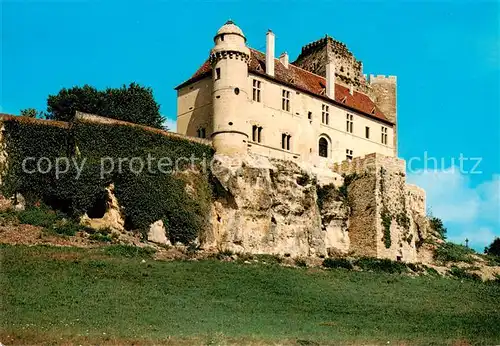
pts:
[112, 217]
[274, 206]
[157, 233]
[265, 206]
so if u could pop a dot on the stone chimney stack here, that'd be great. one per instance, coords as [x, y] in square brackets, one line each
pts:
[284, 59]
[351, 89]
[330, 79]
[270, 53]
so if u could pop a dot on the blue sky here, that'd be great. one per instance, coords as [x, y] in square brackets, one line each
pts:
[446, 56]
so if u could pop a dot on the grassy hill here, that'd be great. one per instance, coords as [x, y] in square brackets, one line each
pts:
[120, 295]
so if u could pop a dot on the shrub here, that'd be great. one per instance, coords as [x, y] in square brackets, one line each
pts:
[64, 227]
[130, 251]
[8, 217]
[104, 235]
[337, 263]
[462, 273]
[431, 271]
[300, 262]
[450, 252]
[42, 217]
[271, 259]
[381, 265]
[414, 267]
[29, 112]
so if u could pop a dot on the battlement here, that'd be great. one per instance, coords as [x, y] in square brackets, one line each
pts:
[381, 79]
[371, 163]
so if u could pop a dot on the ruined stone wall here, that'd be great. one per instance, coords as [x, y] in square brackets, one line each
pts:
[416, 199]
[386, 212]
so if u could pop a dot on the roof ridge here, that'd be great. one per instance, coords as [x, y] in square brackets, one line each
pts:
[314, 74]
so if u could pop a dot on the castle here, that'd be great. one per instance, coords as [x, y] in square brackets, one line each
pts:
[273, 122]
[319, 109]
[305, 157]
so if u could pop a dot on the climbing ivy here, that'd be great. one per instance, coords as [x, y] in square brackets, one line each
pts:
[146, 196]
[385, 214]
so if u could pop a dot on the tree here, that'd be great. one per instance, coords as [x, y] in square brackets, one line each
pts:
[438, 227]
[29, 112]
[494, 248]
[133, 103]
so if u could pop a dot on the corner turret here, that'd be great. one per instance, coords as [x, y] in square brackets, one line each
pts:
[229, 60]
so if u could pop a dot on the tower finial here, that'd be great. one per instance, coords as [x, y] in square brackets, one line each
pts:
[229, 21]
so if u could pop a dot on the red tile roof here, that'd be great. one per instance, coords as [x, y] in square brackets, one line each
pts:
[303, 80]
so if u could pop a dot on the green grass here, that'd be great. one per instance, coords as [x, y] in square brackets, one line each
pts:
[49, 293]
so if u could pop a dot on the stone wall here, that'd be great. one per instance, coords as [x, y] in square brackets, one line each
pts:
[383, 91]
[386, 213]
[348, 70]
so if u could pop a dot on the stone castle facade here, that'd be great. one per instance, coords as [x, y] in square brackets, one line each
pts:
[272, 123]
[319, 109]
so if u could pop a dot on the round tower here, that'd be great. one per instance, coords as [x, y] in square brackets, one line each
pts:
[229, 59]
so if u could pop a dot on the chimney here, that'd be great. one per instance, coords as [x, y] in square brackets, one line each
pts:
[284, 59]
[270, 53]
[351, 89]
[330, 79]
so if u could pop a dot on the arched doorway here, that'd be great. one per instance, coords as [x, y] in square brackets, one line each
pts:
[323, 147]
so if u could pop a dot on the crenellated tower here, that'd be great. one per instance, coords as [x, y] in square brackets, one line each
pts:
[229, 59]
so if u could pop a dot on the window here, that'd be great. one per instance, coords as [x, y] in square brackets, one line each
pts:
[257, 133]
[310, 115]
[201, 132]
[323, 147]
[222, 37]
[285, 100]
[217, 73]
[325, 113]
[285, 141]
[367, 132]
[256, 90]
[348, 154]
[349, 123]
[384, 135]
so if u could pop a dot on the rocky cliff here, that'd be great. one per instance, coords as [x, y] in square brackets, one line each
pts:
[265, 205]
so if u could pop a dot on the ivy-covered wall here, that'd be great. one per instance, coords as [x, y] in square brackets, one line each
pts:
[101, 153]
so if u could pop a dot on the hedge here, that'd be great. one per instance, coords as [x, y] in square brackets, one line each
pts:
[145, 197]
